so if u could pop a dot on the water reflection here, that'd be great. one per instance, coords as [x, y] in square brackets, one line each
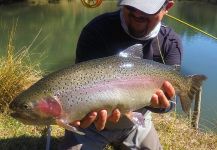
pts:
[62, 22]
[200, 52]
[202, 15]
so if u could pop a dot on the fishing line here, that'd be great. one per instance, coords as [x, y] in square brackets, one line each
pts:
[189, 25]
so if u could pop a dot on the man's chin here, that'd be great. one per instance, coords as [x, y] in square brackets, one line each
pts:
[138, 34]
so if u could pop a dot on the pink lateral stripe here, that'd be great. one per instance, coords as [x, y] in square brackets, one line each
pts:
[127, 83]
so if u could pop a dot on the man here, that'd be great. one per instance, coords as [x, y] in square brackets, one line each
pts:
[137, 21]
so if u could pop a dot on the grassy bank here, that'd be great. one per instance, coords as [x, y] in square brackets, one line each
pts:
[15, 135]
[174, 133]
[17, 73]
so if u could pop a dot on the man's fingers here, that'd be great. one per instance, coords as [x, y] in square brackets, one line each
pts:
[76, 123]
[88, 120]
[168, 89]
[159, 100]
[154, 100]
[115, 116]
[101, 121]
[162, 99]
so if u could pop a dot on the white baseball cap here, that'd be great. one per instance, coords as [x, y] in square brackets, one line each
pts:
[146, 6]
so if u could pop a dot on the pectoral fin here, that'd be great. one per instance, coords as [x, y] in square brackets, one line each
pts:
[67, 126]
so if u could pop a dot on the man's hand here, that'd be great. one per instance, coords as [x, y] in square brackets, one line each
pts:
[162, 96]
[159, 100]
[98, 118]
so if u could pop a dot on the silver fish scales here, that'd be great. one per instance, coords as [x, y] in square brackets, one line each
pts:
[124, 81]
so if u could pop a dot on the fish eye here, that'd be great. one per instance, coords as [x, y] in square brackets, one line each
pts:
[26, 106]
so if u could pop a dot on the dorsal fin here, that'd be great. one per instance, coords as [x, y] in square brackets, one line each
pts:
[133, 51]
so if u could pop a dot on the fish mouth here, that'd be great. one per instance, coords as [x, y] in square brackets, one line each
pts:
[29, 118]
[12, 106]
[23, 118]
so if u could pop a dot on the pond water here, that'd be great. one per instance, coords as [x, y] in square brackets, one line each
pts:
[59, 25]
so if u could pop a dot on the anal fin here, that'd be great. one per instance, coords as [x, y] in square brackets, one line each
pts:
[65, 125]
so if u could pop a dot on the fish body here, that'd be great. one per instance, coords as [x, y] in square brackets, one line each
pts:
[124, 81]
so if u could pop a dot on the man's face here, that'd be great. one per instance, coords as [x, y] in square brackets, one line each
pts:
[140, 24]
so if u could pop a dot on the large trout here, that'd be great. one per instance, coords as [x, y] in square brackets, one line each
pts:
[125, 81]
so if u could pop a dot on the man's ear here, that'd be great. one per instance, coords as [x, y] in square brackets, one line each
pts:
[169, 5]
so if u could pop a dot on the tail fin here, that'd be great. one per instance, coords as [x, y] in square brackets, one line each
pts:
[187, 98]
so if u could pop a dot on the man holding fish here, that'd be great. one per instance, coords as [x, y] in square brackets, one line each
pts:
[124, 70]
[137, 21]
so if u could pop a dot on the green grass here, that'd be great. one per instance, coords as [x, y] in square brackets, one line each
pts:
[15, 135]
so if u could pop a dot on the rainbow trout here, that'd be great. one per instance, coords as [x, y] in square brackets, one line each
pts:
[125, 81]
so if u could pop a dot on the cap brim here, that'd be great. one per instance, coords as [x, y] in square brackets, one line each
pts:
[146, 6]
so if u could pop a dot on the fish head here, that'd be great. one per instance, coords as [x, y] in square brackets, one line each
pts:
[35, 108]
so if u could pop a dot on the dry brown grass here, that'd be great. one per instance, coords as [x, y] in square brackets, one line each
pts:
[17, 72]
[176, 134]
